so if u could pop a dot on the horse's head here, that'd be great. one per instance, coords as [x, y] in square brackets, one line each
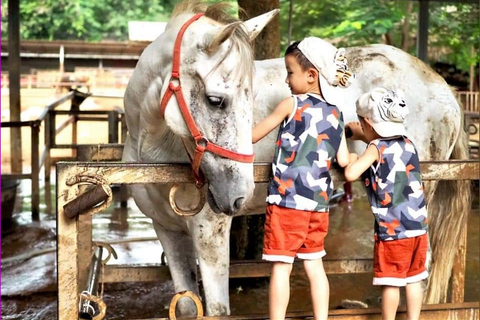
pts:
[215, 70]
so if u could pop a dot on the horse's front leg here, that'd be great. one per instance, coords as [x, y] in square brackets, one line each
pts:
[211, 238]
[180, 254]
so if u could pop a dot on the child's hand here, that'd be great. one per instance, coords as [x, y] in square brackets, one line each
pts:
[353, 130]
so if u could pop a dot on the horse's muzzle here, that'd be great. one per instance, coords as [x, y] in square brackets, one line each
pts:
[230, 206]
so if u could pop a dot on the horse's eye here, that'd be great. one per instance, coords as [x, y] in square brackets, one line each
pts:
[216, 101]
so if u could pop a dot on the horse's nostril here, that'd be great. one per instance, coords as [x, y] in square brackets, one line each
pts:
[238, 203]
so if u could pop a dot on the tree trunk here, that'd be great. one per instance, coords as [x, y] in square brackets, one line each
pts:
[406, 25]
[388, 39]
[267, 44]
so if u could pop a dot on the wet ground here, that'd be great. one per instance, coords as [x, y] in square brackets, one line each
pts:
[28, 284]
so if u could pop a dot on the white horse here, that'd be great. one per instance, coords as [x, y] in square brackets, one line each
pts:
[226, 92]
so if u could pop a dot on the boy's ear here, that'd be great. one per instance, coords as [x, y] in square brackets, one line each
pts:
[313, 74]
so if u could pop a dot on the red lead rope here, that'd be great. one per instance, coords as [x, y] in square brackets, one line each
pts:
[202, 144]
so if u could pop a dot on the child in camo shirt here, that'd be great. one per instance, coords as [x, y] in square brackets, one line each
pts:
[390, 170]
[310, 138]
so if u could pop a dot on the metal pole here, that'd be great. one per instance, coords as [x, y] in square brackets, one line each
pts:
[35, 171]
[87, 310]
[14, 84]
[422, 37]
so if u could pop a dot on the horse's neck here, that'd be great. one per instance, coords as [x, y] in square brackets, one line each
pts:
[161, 146]
[151, 138]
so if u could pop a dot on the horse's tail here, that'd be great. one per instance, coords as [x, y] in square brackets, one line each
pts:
[448, 208]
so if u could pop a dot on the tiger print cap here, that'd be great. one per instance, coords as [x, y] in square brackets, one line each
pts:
[386, 110]
[332, 66]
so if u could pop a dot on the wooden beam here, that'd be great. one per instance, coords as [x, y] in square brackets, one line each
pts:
[14, 84]
[447, 311]
[238, 269]
[129, 173]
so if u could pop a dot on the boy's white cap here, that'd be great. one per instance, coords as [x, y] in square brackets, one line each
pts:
[323, 55]
[385, 109]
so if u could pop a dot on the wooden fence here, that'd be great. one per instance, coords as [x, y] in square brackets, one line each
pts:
[74, 236]
[469, 100]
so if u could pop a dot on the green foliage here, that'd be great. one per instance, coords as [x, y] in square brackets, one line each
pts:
[83, 19]
[453, 28]
[452, 35]
[456, 34]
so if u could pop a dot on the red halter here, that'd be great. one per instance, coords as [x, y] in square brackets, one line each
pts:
[202, 144]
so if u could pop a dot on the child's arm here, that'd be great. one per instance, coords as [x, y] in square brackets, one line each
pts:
[356, 131]
[264, 127]
[343, 154]
[356, 167]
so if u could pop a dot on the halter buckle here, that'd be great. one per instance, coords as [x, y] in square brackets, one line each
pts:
[201, 142]
[174, 83]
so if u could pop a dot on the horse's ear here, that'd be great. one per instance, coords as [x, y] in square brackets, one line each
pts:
[223, 34]
[255, 25]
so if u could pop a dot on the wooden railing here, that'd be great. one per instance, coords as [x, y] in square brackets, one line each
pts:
[74, 236]
[52, 129]
[469, 100]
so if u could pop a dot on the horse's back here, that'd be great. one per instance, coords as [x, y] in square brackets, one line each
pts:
[435, 116]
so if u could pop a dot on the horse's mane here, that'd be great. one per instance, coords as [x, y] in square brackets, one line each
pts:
[219, 13]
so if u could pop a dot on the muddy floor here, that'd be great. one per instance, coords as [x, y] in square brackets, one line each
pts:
[28, 269]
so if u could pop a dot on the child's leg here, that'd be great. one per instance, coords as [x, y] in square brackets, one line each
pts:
[319, 287]
[414, 296]
[279, 293]
[390, 300]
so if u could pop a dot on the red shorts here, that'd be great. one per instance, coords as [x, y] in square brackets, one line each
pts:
[400, 262]
[291, 233]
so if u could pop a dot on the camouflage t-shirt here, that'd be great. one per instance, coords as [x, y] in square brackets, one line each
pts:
[307, 143]
[395, 190]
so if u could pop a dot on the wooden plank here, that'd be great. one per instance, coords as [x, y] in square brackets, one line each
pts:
[447, 311]
[238, 269]
[67, 255]
[449, 170]
[100, 152]
[431, 170]
[129, 173]
[14, 63]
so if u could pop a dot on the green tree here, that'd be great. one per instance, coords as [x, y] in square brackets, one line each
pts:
[453, 33]
[83, 19]
[453, 27]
